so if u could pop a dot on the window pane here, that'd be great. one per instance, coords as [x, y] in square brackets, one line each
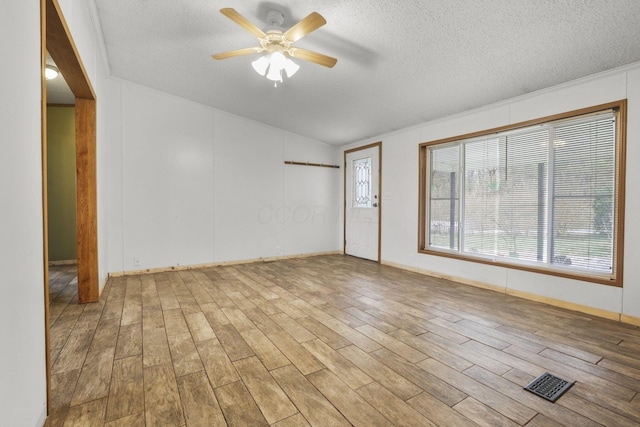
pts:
[362, 183]
[523, 193]
[505, 194]
[584, 183]
[443, 197]
[482, 197]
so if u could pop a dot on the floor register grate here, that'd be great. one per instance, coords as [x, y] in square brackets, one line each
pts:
[548, 386]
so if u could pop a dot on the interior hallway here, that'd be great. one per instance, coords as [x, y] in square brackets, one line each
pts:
[330, 340]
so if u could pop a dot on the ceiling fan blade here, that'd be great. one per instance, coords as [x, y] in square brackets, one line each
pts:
[242, 21]
[238, 52]
[318, 58]
[311, 23]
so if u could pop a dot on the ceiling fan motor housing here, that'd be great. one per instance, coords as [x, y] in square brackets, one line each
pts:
[275, 20]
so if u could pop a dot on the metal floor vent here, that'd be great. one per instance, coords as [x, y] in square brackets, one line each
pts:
[548, 386]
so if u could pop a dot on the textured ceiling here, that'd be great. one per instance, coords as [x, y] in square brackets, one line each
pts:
[400, 62]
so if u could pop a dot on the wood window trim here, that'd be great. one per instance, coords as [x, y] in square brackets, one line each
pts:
[621, 107]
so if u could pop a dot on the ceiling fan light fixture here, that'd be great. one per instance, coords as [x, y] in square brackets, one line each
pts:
[51, 72]
[261, 64]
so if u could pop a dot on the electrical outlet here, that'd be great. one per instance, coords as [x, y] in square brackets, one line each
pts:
[277, 250]
[136, 262]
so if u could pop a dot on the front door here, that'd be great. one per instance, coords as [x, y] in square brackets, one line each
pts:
[362, 202]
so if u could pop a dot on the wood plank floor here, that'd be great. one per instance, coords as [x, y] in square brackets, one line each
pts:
[328, 341]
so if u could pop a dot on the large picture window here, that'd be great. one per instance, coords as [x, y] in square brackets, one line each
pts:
[545, 195]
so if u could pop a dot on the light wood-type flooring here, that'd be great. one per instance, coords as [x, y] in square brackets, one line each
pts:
[328, 341]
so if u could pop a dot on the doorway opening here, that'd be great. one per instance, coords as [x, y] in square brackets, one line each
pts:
[56, 40]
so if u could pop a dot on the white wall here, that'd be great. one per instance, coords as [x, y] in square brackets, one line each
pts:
[631, 296]
[400, 192]
[310, 207]
[189, 185]
[22, 332]
[22, 358]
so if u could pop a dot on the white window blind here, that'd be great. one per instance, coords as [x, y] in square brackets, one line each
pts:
[444, 200]
[583, 194]
[543, 195]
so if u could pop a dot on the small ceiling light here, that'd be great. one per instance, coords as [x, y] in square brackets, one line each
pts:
[51, 72]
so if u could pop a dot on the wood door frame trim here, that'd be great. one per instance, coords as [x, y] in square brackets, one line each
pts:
[344, 192]
[56, 39]
[45, 210]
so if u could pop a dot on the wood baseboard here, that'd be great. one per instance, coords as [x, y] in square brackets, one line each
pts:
[568, 305]
[430, 273]
[526, 295]
[216, 264]
[630, 320]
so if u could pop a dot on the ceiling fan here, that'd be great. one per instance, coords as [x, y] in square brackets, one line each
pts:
[278, 44]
